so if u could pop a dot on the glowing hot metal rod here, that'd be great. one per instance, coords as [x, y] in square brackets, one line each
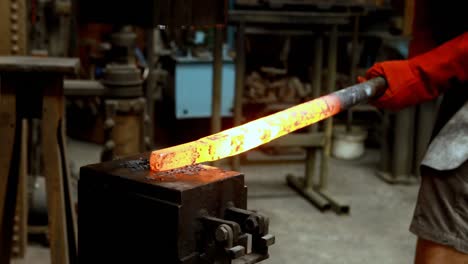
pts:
[263, 130]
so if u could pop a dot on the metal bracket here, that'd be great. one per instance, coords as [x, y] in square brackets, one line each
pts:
[241, 238]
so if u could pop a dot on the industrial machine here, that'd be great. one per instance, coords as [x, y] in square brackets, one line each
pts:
[196, 214]
[130, 101]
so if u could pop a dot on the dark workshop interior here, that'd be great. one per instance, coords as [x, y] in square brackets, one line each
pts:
[232, 132]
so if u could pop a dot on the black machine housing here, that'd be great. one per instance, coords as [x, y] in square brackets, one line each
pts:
[197, 214]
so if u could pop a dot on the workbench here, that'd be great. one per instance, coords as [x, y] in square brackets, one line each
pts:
[321, 24]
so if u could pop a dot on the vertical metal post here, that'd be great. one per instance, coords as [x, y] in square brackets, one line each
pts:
[240, 72]
[150, 86]
[354, 50]
[384, 144]
[217, 82]
[316, 82]
[399, 162]
[20, 234]
[353, 69]
[317, 69]
[331, 83]
[426, 118]
[402, 155]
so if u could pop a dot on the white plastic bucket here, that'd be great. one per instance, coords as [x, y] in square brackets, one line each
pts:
[348, 145]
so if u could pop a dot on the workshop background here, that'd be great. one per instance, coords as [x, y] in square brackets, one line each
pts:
[133, 77]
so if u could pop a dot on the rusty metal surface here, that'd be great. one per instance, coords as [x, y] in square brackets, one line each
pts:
[130, 214]
[124, 127]
[136, 168]
[362, 92]
[13, 27]
[239, 139]
[123, 81]
[4, 28]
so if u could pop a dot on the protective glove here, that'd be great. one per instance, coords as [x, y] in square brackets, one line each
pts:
[424, 77]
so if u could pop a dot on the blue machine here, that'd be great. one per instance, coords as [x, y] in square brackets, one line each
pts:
[193, 87]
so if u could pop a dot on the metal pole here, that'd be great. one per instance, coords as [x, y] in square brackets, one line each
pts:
[317, 71]
[354, 50]
[426, 113]
[403, 144]
[150, 86]
[354, 64]
[316, 81]
[240, 72]
[217, 81]
[332, 61]
[384, 144]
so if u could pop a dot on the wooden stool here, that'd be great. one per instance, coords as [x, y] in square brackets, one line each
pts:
[30, 88]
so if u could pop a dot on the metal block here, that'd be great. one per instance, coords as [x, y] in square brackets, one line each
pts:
[195, 214]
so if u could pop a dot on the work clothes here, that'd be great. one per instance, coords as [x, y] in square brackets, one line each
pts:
[423, 78]
[441, 213]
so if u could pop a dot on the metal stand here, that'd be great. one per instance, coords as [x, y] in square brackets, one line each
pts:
[151, 84]
[426, 113]
[260, 23]
[318, 195]
[127, 121]
[400, 165]
[216, 119]
[239, 93]
[397, 165]
[124, 117]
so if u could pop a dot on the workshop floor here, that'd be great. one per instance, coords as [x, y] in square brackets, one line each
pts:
[375, 231]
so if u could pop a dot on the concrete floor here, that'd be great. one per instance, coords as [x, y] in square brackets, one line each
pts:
[376, 231]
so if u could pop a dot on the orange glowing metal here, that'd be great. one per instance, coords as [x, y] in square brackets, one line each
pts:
[253, 134]
[245, 137]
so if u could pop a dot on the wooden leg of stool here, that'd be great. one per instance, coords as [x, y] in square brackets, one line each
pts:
[51, 114]
[20, 228]
[9, 167]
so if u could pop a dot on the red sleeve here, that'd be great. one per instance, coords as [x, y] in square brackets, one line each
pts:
[423, 77]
